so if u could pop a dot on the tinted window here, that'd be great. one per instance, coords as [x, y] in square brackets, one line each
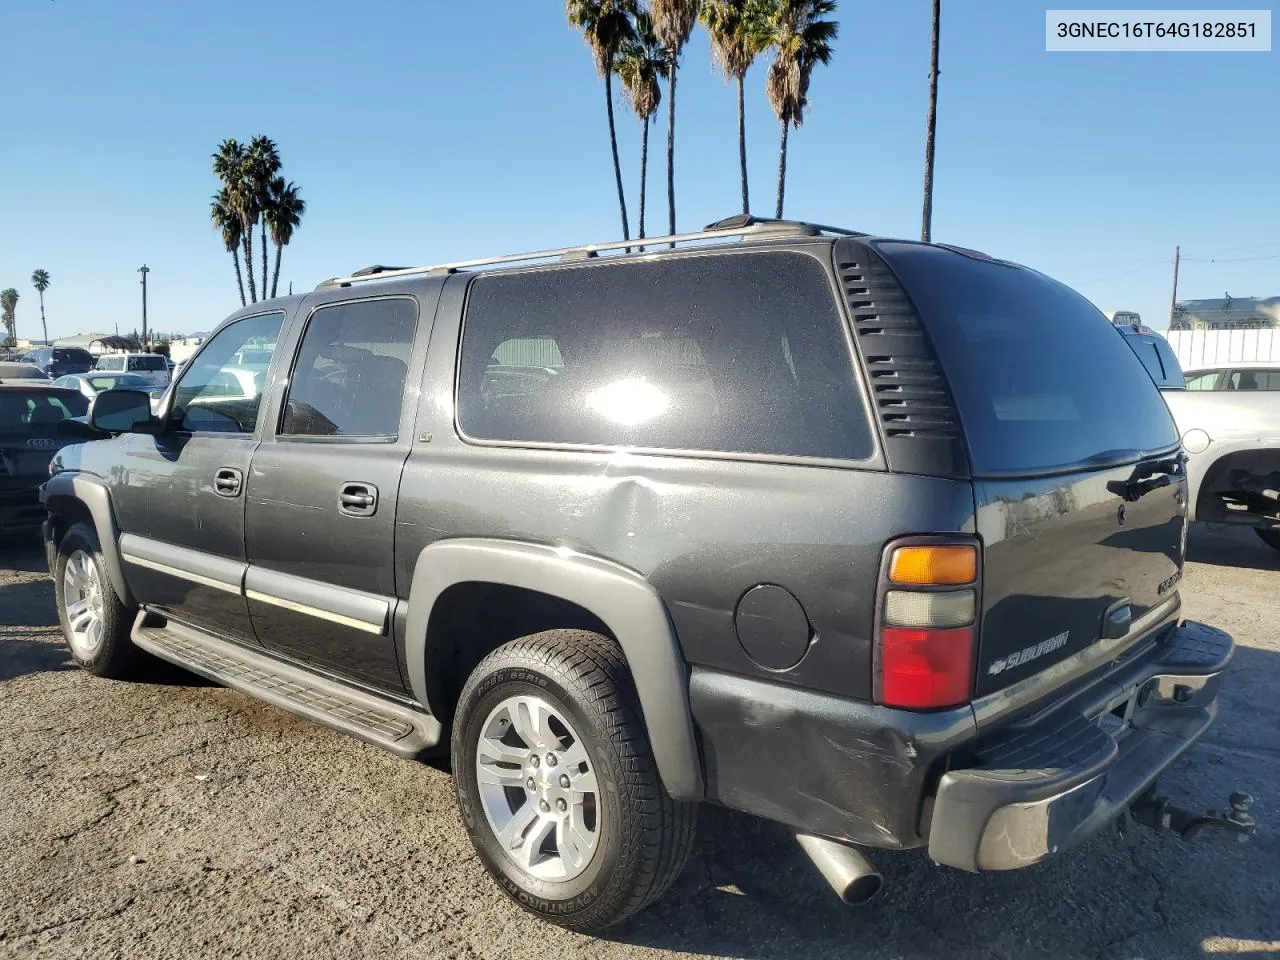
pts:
[1157, 356]
[37, 408]
[215, 394]
[72, 355]
[148, 363]
[736, 353]
[348, 380]
[1040, 377]
[1254, 380]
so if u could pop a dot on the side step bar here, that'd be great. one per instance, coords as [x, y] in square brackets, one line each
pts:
[384, 723]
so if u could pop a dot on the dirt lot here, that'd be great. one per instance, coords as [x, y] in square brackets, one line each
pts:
[172, 818]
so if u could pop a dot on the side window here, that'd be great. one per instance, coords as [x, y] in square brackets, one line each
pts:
[740, 352]
[1203, 381]
[1254, 380]
[348, 379]
[215, 394]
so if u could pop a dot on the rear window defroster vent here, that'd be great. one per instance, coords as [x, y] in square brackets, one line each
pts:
[912, 401]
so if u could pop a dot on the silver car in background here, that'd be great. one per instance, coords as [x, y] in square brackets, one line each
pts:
[1228, 416]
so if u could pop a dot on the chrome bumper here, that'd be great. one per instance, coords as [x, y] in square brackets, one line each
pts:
[1050, 782]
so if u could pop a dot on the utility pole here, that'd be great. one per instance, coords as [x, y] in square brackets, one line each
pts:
[144, 270]
[1173, 302]
[926, 227]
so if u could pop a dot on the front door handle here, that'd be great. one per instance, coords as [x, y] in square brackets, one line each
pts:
[227, 482]
[358, 499]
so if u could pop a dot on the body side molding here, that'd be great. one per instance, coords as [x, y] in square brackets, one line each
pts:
[626, 603]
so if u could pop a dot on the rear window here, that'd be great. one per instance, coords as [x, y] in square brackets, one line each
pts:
[147, 363]
[1040, 378]
[734, 353]
[20, 408]
[1157, 356]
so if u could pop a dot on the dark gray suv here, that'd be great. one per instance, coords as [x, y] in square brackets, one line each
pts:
[904, 519]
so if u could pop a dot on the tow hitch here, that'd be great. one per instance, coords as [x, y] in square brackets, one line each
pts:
[1154, 811]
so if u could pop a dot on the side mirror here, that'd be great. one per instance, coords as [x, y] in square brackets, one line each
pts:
[121, 411]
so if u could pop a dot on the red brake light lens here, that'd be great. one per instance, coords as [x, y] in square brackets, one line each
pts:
[922, 668]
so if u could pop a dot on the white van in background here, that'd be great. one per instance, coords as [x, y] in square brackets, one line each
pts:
[150, 366]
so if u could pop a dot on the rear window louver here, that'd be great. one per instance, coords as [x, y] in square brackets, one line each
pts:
[912, 401]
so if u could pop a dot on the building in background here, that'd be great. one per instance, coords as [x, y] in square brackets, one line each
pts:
[1227, 313]
[1124, 318]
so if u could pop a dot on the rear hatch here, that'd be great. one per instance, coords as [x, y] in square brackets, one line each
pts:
[1078, 488]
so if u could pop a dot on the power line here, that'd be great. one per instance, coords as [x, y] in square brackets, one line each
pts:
[1113, 276]
[1274, 256]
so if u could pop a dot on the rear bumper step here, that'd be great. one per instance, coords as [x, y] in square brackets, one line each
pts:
[392, 726]
[1044, 786]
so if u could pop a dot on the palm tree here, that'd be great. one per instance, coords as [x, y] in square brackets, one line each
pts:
[282, 214]
[262, 164]
[606, 26]
[8, 306]
[673, 21]
[926, 225]
[227, 221]
[229, 164]
[739, 32]
[801, 39]
[40, 280]
[641, 64]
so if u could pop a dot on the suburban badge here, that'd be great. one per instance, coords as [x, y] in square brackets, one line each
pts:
[1027, 654]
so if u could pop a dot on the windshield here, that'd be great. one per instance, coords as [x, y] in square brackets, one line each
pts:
[1041, 379]
[19, 408]
[121, 381]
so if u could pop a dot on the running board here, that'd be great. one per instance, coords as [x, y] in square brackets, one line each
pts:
[384, 723]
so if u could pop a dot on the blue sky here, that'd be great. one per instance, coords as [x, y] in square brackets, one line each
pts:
[421, 131]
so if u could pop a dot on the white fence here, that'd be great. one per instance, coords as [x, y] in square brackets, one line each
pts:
[1197, 348]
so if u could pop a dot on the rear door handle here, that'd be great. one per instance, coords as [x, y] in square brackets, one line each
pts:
[227, 482]
[358, 499]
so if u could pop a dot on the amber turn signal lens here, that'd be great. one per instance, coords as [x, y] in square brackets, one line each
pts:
[936, 565]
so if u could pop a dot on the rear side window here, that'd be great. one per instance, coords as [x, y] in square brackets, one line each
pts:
[147, 363]
[734, 353]
[1254, 380]
[111, 363]
[1203, 381]
[72, 355]
[348, 380]
[1041, 379]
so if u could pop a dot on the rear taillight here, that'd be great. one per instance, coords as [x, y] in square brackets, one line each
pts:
[926, 625]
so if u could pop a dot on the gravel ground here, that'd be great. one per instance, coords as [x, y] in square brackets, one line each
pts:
[173, 818]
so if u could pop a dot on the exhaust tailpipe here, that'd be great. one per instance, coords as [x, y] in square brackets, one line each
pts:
[852, 878]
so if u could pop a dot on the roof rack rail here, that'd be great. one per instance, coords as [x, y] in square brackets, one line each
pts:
[743, 225]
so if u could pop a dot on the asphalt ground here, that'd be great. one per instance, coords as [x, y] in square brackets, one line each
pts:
[173, 818]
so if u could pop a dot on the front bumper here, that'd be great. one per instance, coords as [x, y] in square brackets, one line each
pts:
[1045, 784]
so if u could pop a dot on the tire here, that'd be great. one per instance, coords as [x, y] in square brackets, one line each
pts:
[97, 634]
[1270, 537]
[627, 840]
